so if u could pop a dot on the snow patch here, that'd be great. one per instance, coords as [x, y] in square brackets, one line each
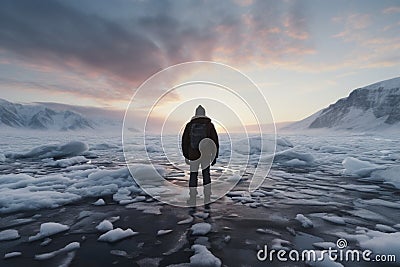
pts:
[48, 229]
[203, 257]
[9, 234]
[116, 235]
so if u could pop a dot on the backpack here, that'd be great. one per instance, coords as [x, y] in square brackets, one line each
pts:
[198, 132]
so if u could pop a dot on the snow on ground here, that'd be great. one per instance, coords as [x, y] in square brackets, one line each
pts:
[48, 229]
[9, 234]
[116, 234]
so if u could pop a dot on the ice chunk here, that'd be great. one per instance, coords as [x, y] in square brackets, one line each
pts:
[116, 235]
[382, 243]
[203, 257]
[201, 228]
[305, 222]
[68, 248]
[295, 163]
[121, 253]
[105, 226]
[390, 176]
[12, 254]
[63, 163]
[385, 228]
[288, 155]
[99, 202]
[334, 219]
[9, 234]
[163, 232]
[279, 244]
[48, 229]
[70, 149]
[143, 171]
[186, 221]
[46, 241]
[358, 167]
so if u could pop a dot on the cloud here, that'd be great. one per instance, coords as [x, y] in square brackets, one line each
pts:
[391, 10]
[353, 23]
[89, 42]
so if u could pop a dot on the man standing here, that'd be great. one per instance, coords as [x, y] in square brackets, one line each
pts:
[200, 148]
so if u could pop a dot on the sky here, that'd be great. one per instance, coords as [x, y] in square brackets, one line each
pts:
[303, 55]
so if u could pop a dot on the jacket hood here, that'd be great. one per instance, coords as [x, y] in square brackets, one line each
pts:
[201, 119]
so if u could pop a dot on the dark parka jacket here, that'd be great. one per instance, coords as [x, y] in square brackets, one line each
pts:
[193, 154]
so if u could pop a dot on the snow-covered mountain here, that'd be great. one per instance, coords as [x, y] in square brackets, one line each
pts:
[36, 116]
[375, 107]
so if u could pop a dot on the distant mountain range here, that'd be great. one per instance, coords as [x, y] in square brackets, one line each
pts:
[40, 117]
[375, 107]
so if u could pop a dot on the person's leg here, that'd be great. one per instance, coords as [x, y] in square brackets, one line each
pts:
[194, 172]
[206, 176]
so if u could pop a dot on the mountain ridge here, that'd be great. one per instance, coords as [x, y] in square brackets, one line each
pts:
[370, 108]
[40, 117]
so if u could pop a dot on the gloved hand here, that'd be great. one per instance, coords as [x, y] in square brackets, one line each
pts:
[214, 161]
[187, 161]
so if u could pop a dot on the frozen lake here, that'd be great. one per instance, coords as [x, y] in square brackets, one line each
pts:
[320, 188]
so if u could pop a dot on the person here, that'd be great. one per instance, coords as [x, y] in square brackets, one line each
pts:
[200, 148]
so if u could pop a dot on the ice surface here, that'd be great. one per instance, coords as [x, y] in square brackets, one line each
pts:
[12, 254]
[48, 229]
[9, 234]
[201, 228]
[116, 235]
[70, 149]
[104, 226]
[68, 248]
[305, 222]
[203, 257]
